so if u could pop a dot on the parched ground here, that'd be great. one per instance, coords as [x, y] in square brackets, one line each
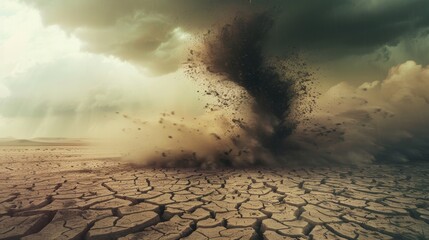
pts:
[54, 192]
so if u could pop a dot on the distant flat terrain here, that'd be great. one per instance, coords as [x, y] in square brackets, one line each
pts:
[60, 191]
[43, 142]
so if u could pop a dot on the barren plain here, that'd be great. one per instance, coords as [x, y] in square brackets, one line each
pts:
[78, 192]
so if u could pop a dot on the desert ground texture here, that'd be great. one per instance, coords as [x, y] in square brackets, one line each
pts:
[79, 192]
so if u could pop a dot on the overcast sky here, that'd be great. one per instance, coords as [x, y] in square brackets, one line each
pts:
[346, 35]
[75, 63]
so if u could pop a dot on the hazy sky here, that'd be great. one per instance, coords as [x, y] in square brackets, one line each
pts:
[50, 87]
[66, 67]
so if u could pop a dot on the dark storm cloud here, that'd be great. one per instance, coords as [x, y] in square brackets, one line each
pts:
[342, 27]
[150, 33]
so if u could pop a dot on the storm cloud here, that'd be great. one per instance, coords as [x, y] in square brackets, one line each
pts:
[155, 34]
[349, 27]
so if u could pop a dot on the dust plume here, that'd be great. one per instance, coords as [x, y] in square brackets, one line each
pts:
[263, 110]
[249, 102]
[236, 52]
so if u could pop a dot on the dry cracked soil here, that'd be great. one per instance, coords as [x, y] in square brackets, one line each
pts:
[76, 192]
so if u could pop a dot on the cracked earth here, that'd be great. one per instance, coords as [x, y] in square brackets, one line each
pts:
[78, 193]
